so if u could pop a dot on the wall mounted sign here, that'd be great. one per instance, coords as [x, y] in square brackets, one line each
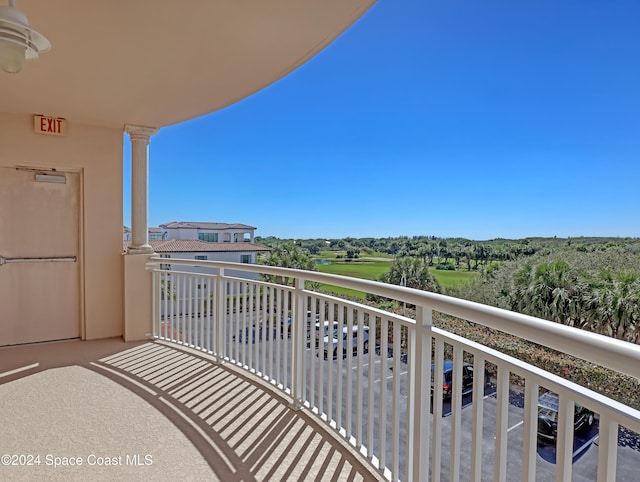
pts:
[52, 126]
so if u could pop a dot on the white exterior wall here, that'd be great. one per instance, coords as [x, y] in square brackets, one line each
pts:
[190, 233]
[179, 233]
[229, 257]
[240, 235]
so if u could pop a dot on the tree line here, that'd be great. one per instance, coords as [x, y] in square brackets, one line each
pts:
[594, 286]
[589, 283]
[460, 253]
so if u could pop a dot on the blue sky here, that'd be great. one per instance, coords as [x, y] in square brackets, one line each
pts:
[448, 118]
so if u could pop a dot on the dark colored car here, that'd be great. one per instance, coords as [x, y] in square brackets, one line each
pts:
[333, 345]
[255, 333]
[548, 417]
[447, 384]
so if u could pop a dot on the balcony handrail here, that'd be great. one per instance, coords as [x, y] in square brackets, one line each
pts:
[383, 410]
[602, 350]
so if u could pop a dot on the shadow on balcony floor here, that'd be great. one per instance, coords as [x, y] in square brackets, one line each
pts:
[108, 410]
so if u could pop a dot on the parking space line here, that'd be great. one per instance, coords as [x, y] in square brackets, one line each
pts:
[18, 370]
[515, 426]
[367, 364]
[389, 377]
[401, 373]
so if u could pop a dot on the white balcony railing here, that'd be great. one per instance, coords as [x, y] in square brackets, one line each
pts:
[377, 394]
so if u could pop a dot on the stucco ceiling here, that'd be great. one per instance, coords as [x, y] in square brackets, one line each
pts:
[159, 62]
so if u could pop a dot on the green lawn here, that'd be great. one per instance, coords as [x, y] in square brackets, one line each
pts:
[451, 279]
[374, 269]
[369, 270]
[337, 290]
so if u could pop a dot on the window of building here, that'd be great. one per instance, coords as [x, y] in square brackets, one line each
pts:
[245, 258]
[165, 266]
[201, 257]
[210, 237]
[155, 236]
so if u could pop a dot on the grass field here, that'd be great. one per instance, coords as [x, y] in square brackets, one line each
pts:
[372, 270]
[338, 255]
[451, 279]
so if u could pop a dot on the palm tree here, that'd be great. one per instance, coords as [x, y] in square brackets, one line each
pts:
[613, 305]
[550, 291]
[288, 255]
[415, 274]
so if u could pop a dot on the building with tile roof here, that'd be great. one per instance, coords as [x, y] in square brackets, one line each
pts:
[213, 232]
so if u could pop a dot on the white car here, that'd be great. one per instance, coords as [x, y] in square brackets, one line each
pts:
[321, 330]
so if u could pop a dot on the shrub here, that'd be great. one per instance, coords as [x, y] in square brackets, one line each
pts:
[446, 266]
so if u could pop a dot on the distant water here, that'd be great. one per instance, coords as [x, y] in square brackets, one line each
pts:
[322, 261]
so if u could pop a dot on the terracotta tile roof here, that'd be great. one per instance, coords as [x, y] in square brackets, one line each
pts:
[196, 246]
[198, 225]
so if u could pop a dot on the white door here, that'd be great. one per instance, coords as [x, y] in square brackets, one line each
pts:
[39, 248]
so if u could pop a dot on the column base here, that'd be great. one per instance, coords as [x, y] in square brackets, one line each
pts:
[137, 297]
[144, 249]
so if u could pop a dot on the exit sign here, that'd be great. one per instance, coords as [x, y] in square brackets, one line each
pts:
[53, 126]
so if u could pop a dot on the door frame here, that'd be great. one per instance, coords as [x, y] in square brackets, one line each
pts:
[80, 234]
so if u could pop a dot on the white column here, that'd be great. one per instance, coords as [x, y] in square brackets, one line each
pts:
[140, 137]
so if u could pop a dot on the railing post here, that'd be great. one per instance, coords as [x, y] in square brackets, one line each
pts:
[297, 344]
[153, 267]
[419, 395]
[220, 310]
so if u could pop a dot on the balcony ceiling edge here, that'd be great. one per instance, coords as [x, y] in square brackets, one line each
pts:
[159, 62]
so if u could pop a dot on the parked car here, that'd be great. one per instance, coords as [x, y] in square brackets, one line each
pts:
[548, 404]
[285, 327]
[447, 381]
[333, 346]
[255, 333]
[321, 331]
[311, 318]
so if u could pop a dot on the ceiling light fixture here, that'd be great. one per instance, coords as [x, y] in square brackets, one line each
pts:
[17, 40]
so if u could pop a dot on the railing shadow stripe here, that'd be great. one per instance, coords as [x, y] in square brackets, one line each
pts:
[318, 443]
[149, 370]
[326, 460]
[271, 441]
[144, 359]
[191, 394]
[220, 397]
[233, 408]
[247, 446]
[255, 426]
[165, 379]
[131, 353]
[185, 378]
[253, 410]
[295, 453]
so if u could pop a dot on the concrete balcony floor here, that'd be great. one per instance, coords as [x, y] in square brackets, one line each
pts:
[133, 411]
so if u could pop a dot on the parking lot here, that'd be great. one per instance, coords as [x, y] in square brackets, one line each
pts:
[317, 368]
[585, 442]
